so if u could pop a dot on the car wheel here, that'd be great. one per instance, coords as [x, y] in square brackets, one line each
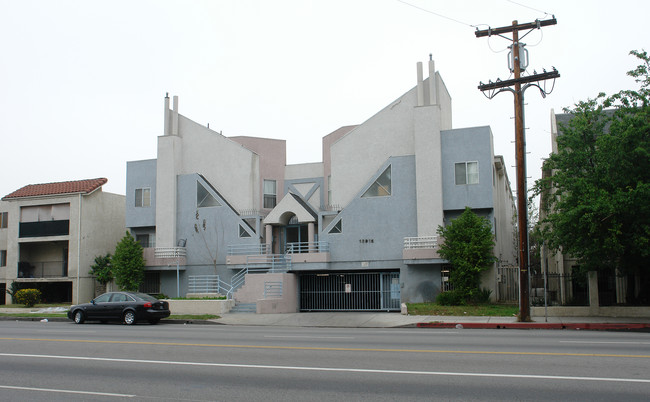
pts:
[79, 317]
[129, 317]
[154, 321]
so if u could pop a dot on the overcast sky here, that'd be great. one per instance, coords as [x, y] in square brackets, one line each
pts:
[82, 83]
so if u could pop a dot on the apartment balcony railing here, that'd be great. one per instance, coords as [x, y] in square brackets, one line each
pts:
[247, 249]
[420, 248]
[308, 247]
[164, 256]
[46, 269]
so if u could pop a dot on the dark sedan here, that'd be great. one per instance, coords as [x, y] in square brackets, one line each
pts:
[127, 307]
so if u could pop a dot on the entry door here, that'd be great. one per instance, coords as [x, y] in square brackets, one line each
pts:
[296, 235]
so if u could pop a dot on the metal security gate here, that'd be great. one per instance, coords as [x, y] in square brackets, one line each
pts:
[374, 291]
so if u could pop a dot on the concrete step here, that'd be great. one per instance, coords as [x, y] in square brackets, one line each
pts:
[244, 308]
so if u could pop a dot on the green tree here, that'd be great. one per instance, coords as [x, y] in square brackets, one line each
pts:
[128, 264]
[596, 199]
[469, 248]
[102, 270]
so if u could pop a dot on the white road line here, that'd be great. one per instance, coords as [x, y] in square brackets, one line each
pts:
[338, 369]
[608, 342]
[308, 337]
[66, 391]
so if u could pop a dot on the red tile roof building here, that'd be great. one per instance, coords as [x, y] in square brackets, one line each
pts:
[65, 187]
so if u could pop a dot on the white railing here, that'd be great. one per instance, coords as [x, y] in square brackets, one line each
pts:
[206, 284]
[421, 242]
[268, 263]
[247, 249]
[170, 252]
[273, 289]
[308, 247]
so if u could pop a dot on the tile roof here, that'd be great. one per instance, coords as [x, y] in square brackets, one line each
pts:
[61, 188]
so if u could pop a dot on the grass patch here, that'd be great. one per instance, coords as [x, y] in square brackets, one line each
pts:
[478, 310]
[193, 317]
[39, 315]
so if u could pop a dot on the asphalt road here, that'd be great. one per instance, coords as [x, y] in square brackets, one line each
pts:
[59, 361]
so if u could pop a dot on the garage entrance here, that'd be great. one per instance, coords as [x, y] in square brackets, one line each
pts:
[367, 291]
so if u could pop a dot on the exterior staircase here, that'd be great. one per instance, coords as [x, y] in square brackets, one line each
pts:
[245, 300]
[244, 308]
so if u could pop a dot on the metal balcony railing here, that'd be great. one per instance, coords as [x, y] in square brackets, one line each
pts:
[247, 249]
[420, 242]
[308, 247]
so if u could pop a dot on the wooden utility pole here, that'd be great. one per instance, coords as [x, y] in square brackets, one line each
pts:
[520, 143]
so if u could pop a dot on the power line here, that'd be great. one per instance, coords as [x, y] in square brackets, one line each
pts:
[531, 8]
[440, 15]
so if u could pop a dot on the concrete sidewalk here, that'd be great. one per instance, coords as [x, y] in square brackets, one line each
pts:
[396, 320]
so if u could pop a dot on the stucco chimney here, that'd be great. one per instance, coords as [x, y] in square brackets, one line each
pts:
[175, 116]
[420, 85]
[166, 125]
[433, 93]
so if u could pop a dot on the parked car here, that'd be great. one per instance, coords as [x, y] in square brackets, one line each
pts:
[127, 307]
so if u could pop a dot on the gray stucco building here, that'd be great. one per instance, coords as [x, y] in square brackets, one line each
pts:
[356, 231]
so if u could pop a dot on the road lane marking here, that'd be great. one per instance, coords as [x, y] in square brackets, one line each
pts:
[335, 369]
[66, 391]
[609, 342]
[207, 345]
[308, 337]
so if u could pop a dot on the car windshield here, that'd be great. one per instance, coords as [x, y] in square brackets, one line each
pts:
[145, 296]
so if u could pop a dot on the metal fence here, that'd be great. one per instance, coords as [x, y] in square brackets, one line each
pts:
[203, 284]
[378, 291]
[559, 290]
[273, 289]
[507, 284]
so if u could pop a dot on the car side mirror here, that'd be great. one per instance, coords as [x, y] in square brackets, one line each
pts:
[93, 301]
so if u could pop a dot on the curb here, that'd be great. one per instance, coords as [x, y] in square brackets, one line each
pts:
[65, 319]
[536, 325]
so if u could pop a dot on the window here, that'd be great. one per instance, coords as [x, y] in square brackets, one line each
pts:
[3, 258]
[142, 197]
[338, 228]
[382, 186]
[270, 194]
[143, 239]
[243, 232]
[204, 198]
[329, 189]
[3, 219]
[466, 173]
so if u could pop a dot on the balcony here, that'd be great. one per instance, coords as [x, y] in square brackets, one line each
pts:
[300, 252]
[420, 248]
[44, 228]
[164, 256]
[42, 269]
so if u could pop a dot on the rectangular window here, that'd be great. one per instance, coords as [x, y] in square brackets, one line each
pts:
[142, 197]
[329, 189]
[270, 194]
[3, 258]
[143, 239]
[3, 219]
[466, 173]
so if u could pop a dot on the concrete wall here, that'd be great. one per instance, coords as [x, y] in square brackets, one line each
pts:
[217, 307]
[420, 283]
[140, 174]
[374, 227]
[221, 229]
[467, 145]
[272, 160]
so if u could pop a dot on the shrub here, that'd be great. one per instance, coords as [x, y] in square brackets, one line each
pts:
[450, 298]
[482, 296]
[28, 297]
